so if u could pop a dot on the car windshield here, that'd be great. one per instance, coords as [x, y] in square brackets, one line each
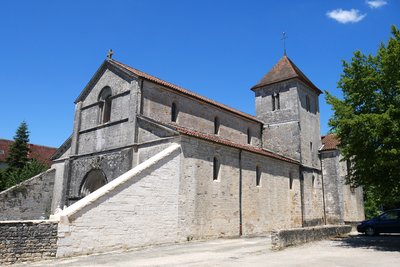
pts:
[390, 215]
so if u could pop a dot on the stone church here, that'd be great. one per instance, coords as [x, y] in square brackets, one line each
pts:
[150, 162]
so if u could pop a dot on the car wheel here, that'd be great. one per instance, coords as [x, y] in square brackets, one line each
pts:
[370, 231]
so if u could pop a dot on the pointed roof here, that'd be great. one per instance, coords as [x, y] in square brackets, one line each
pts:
[284, 70]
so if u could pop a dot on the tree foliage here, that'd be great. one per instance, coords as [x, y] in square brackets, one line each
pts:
[20, 167]
[19, 150]
[367, 120]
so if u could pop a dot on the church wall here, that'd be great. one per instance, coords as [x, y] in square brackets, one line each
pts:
[59, 185]
[118, 132]
[113, 164]
[110, 78]
[288, 110]
[209, 208]
[333, 187]
[275, 203]
[310, 138]
[313, 206]
[281, 132]
[196, 115]
[109, 137]
[283, 139]
[353, 199]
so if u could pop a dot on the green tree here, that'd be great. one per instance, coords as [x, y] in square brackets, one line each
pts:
[20, 167]
[19, 150]
[367, 120]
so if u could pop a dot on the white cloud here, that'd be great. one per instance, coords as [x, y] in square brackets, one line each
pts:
[376, 3]
[346, 16]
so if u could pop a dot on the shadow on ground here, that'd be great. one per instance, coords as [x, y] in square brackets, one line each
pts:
[381, 242]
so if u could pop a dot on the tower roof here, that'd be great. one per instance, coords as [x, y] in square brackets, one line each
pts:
[284, 70]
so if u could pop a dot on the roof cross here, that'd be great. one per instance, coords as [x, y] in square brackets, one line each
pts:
[284, 37]
[110, 54]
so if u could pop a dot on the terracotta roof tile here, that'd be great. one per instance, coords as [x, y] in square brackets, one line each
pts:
[284, 70]
[182, 90]
[41, 153]
[219, 140]
[330, 142]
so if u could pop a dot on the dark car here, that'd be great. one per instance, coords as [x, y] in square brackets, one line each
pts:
[387, 222]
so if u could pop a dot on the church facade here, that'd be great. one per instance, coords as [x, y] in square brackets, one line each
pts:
[150, 162]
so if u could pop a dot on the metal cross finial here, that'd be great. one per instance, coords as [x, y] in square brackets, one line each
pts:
[110, 54]
[284, 37]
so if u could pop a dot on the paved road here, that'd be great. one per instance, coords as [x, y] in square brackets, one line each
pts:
[356, 250]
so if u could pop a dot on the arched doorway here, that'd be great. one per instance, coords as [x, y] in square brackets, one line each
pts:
[93, 180]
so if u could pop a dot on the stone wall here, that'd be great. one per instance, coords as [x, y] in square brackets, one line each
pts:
[276, 202]
[91, 134]
[198, 115]
[292, 237]
[310, 138]
[27, 241]
[313, 203]
[353, 198]
[138, 208]
[28, 200]
[113, 164]
[211, 208]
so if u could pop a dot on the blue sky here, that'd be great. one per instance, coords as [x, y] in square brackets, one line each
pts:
[219, 49]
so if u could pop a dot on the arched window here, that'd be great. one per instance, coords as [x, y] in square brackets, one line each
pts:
[216, 166]
[216, 125]
[308, 107]
[248, 136]
[105, 105]
[258, 176]
[174, 112]
[276, 103]
[93, 180]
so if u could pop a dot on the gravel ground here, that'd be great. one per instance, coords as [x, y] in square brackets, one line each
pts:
[355, 250]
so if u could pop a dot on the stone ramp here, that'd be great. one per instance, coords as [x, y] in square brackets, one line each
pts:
[139, 208]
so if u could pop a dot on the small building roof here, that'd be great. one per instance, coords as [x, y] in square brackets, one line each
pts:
[41, 153]
[329, 142]
[284, 70]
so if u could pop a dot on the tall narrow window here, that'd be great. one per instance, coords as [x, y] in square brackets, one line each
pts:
[278, 102]
[174, 112]
[248, 136]
[290, 180]
[308, 108]
[216, 166]
[258, 176]
[216, 125]
[105, 105]
[313, 181]
[273, 102]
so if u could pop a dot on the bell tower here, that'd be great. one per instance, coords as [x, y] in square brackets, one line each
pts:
[287, 103]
